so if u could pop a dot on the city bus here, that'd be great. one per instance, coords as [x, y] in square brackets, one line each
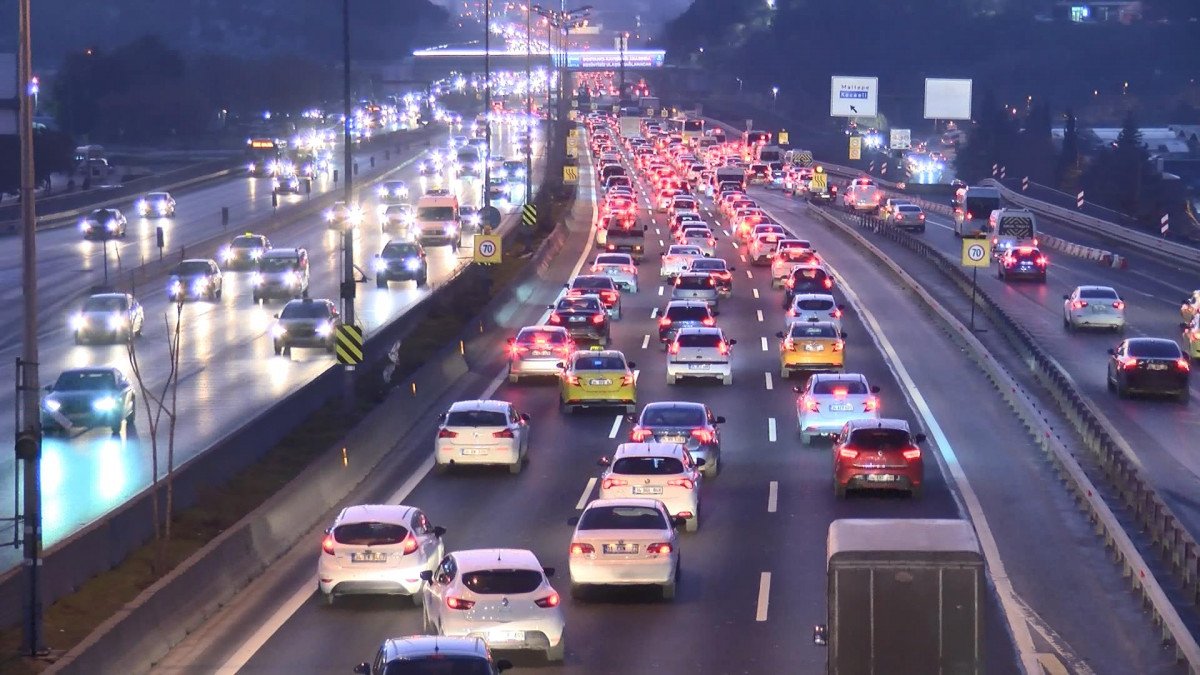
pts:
[690, 128]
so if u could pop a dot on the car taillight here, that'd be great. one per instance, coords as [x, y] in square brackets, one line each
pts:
[1127, 362]
[723, 348]
[1118, 305]
[912, 454]
[1079, 304]
[548, 601]
[788, 344]
[516, 349]
[626, 380]
[828, 283]
[995, 240]
[673, 348]
[664, 322]
[572, 380]
[327, 544]
[685, 483]
[847, 453]
[708, 321]
[1009, 262]
[712, 242]
[446, 433]
[639, 435]
[839, 345]
[609, 296]
[871, 404]
[1182, 364]
[703, 435]
[790, 283]
[899, 216]
[810, 404]
[969, 215]
[597, 319]
[582, 549]
[503, 433]
[837, 314]
[410, 544]
[921, 217]
[609, 483]
[555, 318]
[661, 548]
[1041, 261]
[455, 602]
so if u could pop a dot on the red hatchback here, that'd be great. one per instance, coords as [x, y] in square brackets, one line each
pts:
[878, 455]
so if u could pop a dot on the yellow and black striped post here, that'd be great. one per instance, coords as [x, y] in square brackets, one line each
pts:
[349, 345]
[529, 215]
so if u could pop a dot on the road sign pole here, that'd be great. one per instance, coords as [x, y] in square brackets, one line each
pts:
[347, 293]
[974, 279]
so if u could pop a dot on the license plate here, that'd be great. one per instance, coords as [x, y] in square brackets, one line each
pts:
[612, 270]
[811, 347]
[697, 366]
[671, 439]
[368, 557]
[474, 451]
[1156, 366]
[881, 478]
[647, 490]
[540, 352]
[620, 549]
[506, 636]
[841, 407]
[599, 383]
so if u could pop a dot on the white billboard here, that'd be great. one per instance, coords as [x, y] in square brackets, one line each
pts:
[947, 99]
[853, 96]
[901, 139]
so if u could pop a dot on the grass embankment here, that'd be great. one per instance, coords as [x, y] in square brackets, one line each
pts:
[72, 618]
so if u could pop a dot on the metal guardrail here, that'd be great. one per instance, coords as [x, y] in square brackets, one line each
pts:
[1174, 544]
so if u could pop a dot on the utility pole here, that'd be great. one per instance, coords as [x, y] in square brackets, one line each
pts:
[348, 288]
[487, 101]
[28, 445]
[624, 38]
[528, 99]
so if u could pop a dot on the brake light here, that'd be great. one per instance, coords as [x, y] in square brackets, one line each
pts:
[1127, 362]
[828, 283]
[723, 348]
[572, 380]
[503, 433]
[582, 549]
[840, 392]
[1080, 304]
[515, 349]
[995, 240]
[912, 454]
[788, 344]
[410, 544]
[663, 322]
[327, 544]
[1182, 364]
[899, 216]
[1118, 305]
[839, 345]
[454, 602]
[1041, 261]
[673, 348]
[597, 319]
[548, 601]
[847, 453]
[704, 435]
[921, 217]
[609, 296]
[790, 283]
[969, 215]
[837, 314]
[711, 281]
[810, 404]
[555, 318]
[638, 434]
[661, 548]
[871, 404]
[446, 433]
[609, 483]
[709, 321]
[685, 483]
[627, 380]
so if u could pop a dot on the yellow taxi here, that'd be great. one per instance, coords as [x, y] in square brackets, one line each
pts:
[1191, 336]
[598, 378]
[808, 346]
[1190, 307]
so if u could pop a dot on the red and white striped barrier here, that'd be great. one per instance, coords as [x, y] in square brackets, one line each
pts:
[1105, 258]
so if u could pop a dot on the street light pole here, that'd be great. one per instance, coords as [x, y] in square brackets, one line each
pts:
[621, 88]
[487, 101]
[29, 438]
[528, 99]
[348, 288]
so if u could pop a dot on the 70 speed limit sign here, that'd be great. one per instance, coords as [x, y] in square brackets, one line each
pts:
[976, 252]
[487, 249]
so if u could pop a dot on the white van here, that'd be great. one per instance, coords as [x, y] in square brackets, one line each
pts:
[437, 219]
[1011, 228]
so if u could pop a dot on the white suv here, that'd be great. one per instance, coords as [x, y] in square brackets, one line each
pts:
[700, 353]
[482, 432]
[662, 471]
[378, 549]
[624, 542]
[829, 400]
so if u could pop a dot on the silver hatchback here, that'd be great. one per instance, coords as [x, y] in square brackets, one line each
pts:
[696, 286]
[700, 353]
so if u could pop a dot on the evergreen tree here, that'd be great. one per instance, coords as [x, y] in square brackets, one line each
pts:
[1068, 158]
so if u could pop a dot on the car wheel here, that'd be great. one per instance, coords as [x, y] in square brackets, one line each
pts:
[671, 379]
[516, 467]
[256, 298]
[329, 599]
[727, 380]
[278, 349]
[78, 340]
[805, 439]
[417, 599]
[427, 625]
[839, 490]
[217, 293]
[423, 279]
[915, 493]
[440, 468]
[287, 351]
[668, 591]
[578, 591]
[380, 282]
[557, 652]
[513, 378]
[1184, 395]
[1108, 382]
[1121, 391]
[711, 470]
[692, 524]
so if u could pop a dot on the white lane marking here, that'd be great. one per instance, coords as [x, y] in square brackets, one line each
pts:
[759, 313]
[660, 290]
[654, 313]
[755, 291]
[772, 496]
[770, 384]
[749, 275]
[742, 257]
[615, 427]
[771, 429]
[657, 231]
[764, 597]
[660, 243]
[728, 234]
[636, 374]
[645, 340]
[587, 492]
[764, 344]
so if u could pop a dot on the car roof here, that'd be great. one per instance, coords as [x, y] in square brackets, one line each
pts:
[1089, 287]
[700, 330]
[1151, 340]
[838, 377]
[194, 260]
[687, 303]
[416, 646]
[881, 423]
[624, 501]
[648, 450]
[480, 404]
[673, 404]
[496, 558]
[158, 194]
[91, 369]
[109, 295]
[282, 253]
[542, 329]
[599, 352]
[801, 322]
[369, 513]
[814, 296]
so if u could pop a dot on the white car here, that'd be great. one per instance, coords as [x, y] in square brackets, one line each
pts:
[701, 238]
[762, 246]
[829, 400]
[700, 353]
[813, 307]
[619, 267]
[663, 471]
[378, 549]
[624, 542]
[501, 595]
[482, 432]
[1093, 307]
[677, 259]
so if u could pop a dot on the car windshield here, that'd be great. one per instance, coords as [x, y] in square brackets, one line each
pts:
[812, 331]
[593, 283]
[663, 416]
[503, 582]
[435, 213]
[277, 264]
[687, 313]
[698, 339]
[104, 303]
[1154, 349]
[439, 664]
[694, 282]
[840, 387]
[879, 439]
[81, 380]
[579, 305]
[157, 197]
[191, 268]
[539, 336]
[814, 305]
[623, 518]
[476, 418]
[369, 534]
[247, 242]
[305, 310]
[399, 250]
[101, 215]
[1098, 293]
[600, 363]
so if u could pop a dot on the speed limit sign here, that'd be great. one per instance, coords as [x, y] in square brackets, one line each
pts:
[976, 252]
[487, 249]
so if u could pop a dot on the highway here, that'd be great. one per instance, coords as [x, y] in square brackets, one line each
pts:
[228, 372]
[1162, 432]
[753, 576]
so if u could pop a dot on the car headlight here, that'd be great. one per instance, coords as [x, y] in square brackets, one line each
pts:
[256, 253]
[226, 254]
[450, 228]
[329, 216]
[355, 217]
[162, 207]
[200, 285]
[412, 264]
[111, 225]
[83, 225]
[116, 322]
[278, 330]
[175, 287]
[382, 191]
[325, 329]
[52, 405]
[142, 206]
[105, 404]
[380, 264]
[256, 279]
[78, 321]
[292, 278]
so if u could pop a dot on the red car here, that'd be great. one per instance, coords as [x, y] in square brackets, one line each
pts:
[878, 455]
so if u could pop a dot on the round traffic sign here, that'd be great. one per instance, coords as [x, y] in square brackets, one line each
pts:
[490, 216]
[976, 252]
[487, 248]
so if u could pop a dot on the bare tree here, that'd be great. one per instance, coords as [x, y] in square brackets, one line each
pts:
[157, 405]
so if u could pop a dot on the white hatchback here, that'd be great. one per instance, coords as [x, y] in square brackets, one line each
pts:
[677, 259]
[501, 595]
[829, 400]
[620, 267]
[378, 549]
[814, 307]
[482, 432]
[1093, 307]
[663, 471]
[700, 353]
[701, 238]
[624, 542]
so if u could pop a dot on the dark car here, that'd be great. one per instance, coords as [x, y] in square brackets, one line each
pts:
[88, 398]
[599, 285]
[585, 318]
[806, 279]
[195, 278]
[691, 424]
[683, 314]
[244, 251]
[103, 224]
[433, 655]
[1149, 366]
[1022, 262]
[401, 261]
[878, 454]
[718, 270]
[306, 323]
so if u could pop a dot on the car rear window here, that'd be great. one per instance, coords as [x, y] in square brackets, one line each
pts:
[476, 418]
[439, 664]
[792, 244]
[597, 283]
[1099, 293]
[687, 313]
[579, 304]
[503, 582]
[648, 466]
[622, 518]
[698, 339]
[803, 330]
[847, 387]
[683, 250]
[908, 208]
[1154, 349]
[369, 534]
[812, 273]
[814, 305]
[694, 282]
[707, 264]
[599, 363]
[551, 337]
[673, 417]
[879, 439]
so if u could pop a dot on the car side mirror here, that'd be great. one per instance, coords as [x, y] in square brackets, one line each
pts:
[512, 340]
[678, 521]
[560, 365]
[716, 313]
[503, 665]
[548, 571]
[779, 334]
[439, 531]
[842, 307]
[1183, 326]
[566, 285]
[275, 315]
[1112, 352]
[919, 438]
[525, 418]
[720, 420]
[732, 341]
[630, 417]
[49, 387]
[700, 461]
[820, 635]
[363, 668]
[603, 461]
[549, 306]
[796, 388]
[875, 389]
[631, 364]
[573, 521]
[1066, 296]
[645, 228]
[426, 575]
